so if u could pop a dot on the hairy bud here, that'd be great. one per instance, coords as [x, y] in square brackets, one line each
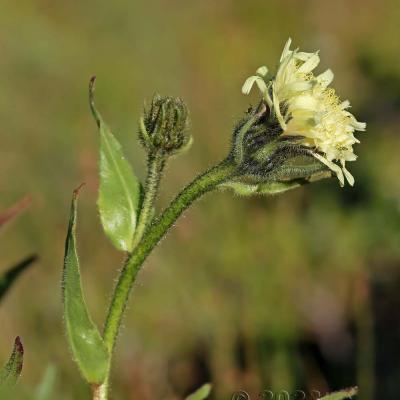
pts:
[163, 126]
[265, 158]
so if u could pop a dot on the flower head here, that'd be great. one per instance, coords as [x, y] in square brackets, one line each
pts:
[307, 107]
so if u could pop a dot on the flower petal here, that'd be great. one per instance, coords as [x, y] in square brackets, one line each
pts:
[347, 174]
[261, 85]
[246, 88]
[326, 78]
[359, 126]
[299, 86]
[286, 50]
[248, 85]
[262, 71]
[267, 96]
[277, 108]
[332, 166]
[303, 102]
[303, 56]
[310, 64]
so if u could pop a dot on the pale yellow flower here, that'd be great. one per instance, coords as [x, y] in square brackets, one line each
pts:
[306, 106]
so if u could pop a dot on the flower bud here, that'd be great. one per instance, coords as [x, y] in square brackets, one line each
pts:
[163, 126]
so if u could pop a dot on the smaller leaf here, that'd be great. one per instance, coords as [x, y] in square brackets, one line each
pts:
[119, 191]
[12, 369]
[14, 211]
[200, 394]
[45, 390]
[10, 276]
[341, 395]
[87, 345]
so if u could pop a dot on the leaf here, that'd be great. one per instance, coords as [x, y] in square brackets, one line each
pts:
[341, 395]
[46, 387]
[119, 191]
[88, 348]
[9, 277]
[200, 394]
[14, 211]
[12, 370]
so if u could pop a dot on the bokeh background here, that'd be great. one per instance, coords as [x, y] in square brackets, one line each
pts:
[299, 291]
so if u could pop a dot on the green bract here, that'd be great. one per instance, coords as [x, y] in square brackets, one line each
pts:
[163, 127]
[87, 345]
[119, 191]
[263, 157]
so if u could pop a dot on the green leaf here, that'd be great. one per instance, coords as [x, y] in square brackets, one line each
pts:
[119, 191]
[45, 390]
[88, 348]
[201, 393]
[341, 395]
[9, 277]
[12, 370]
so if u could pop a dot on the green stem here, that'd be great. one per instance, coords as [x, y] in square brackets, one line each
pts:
[156, 165]
[158, 228]
[201, 185]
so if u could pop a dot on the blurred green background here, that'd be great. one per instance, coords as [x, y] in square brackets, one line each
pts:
[299, 291]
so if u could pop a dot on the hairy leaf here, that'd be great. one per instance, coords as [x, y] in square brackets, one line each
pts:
[201, 393]
[12, 369]
[341, 395]
[9, 277]
[119, 191]
[87, 346]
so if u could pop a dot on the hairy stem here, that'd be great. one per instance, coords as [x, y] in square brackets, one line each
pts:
[156, 165]
[201, 185]
[158, 228]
